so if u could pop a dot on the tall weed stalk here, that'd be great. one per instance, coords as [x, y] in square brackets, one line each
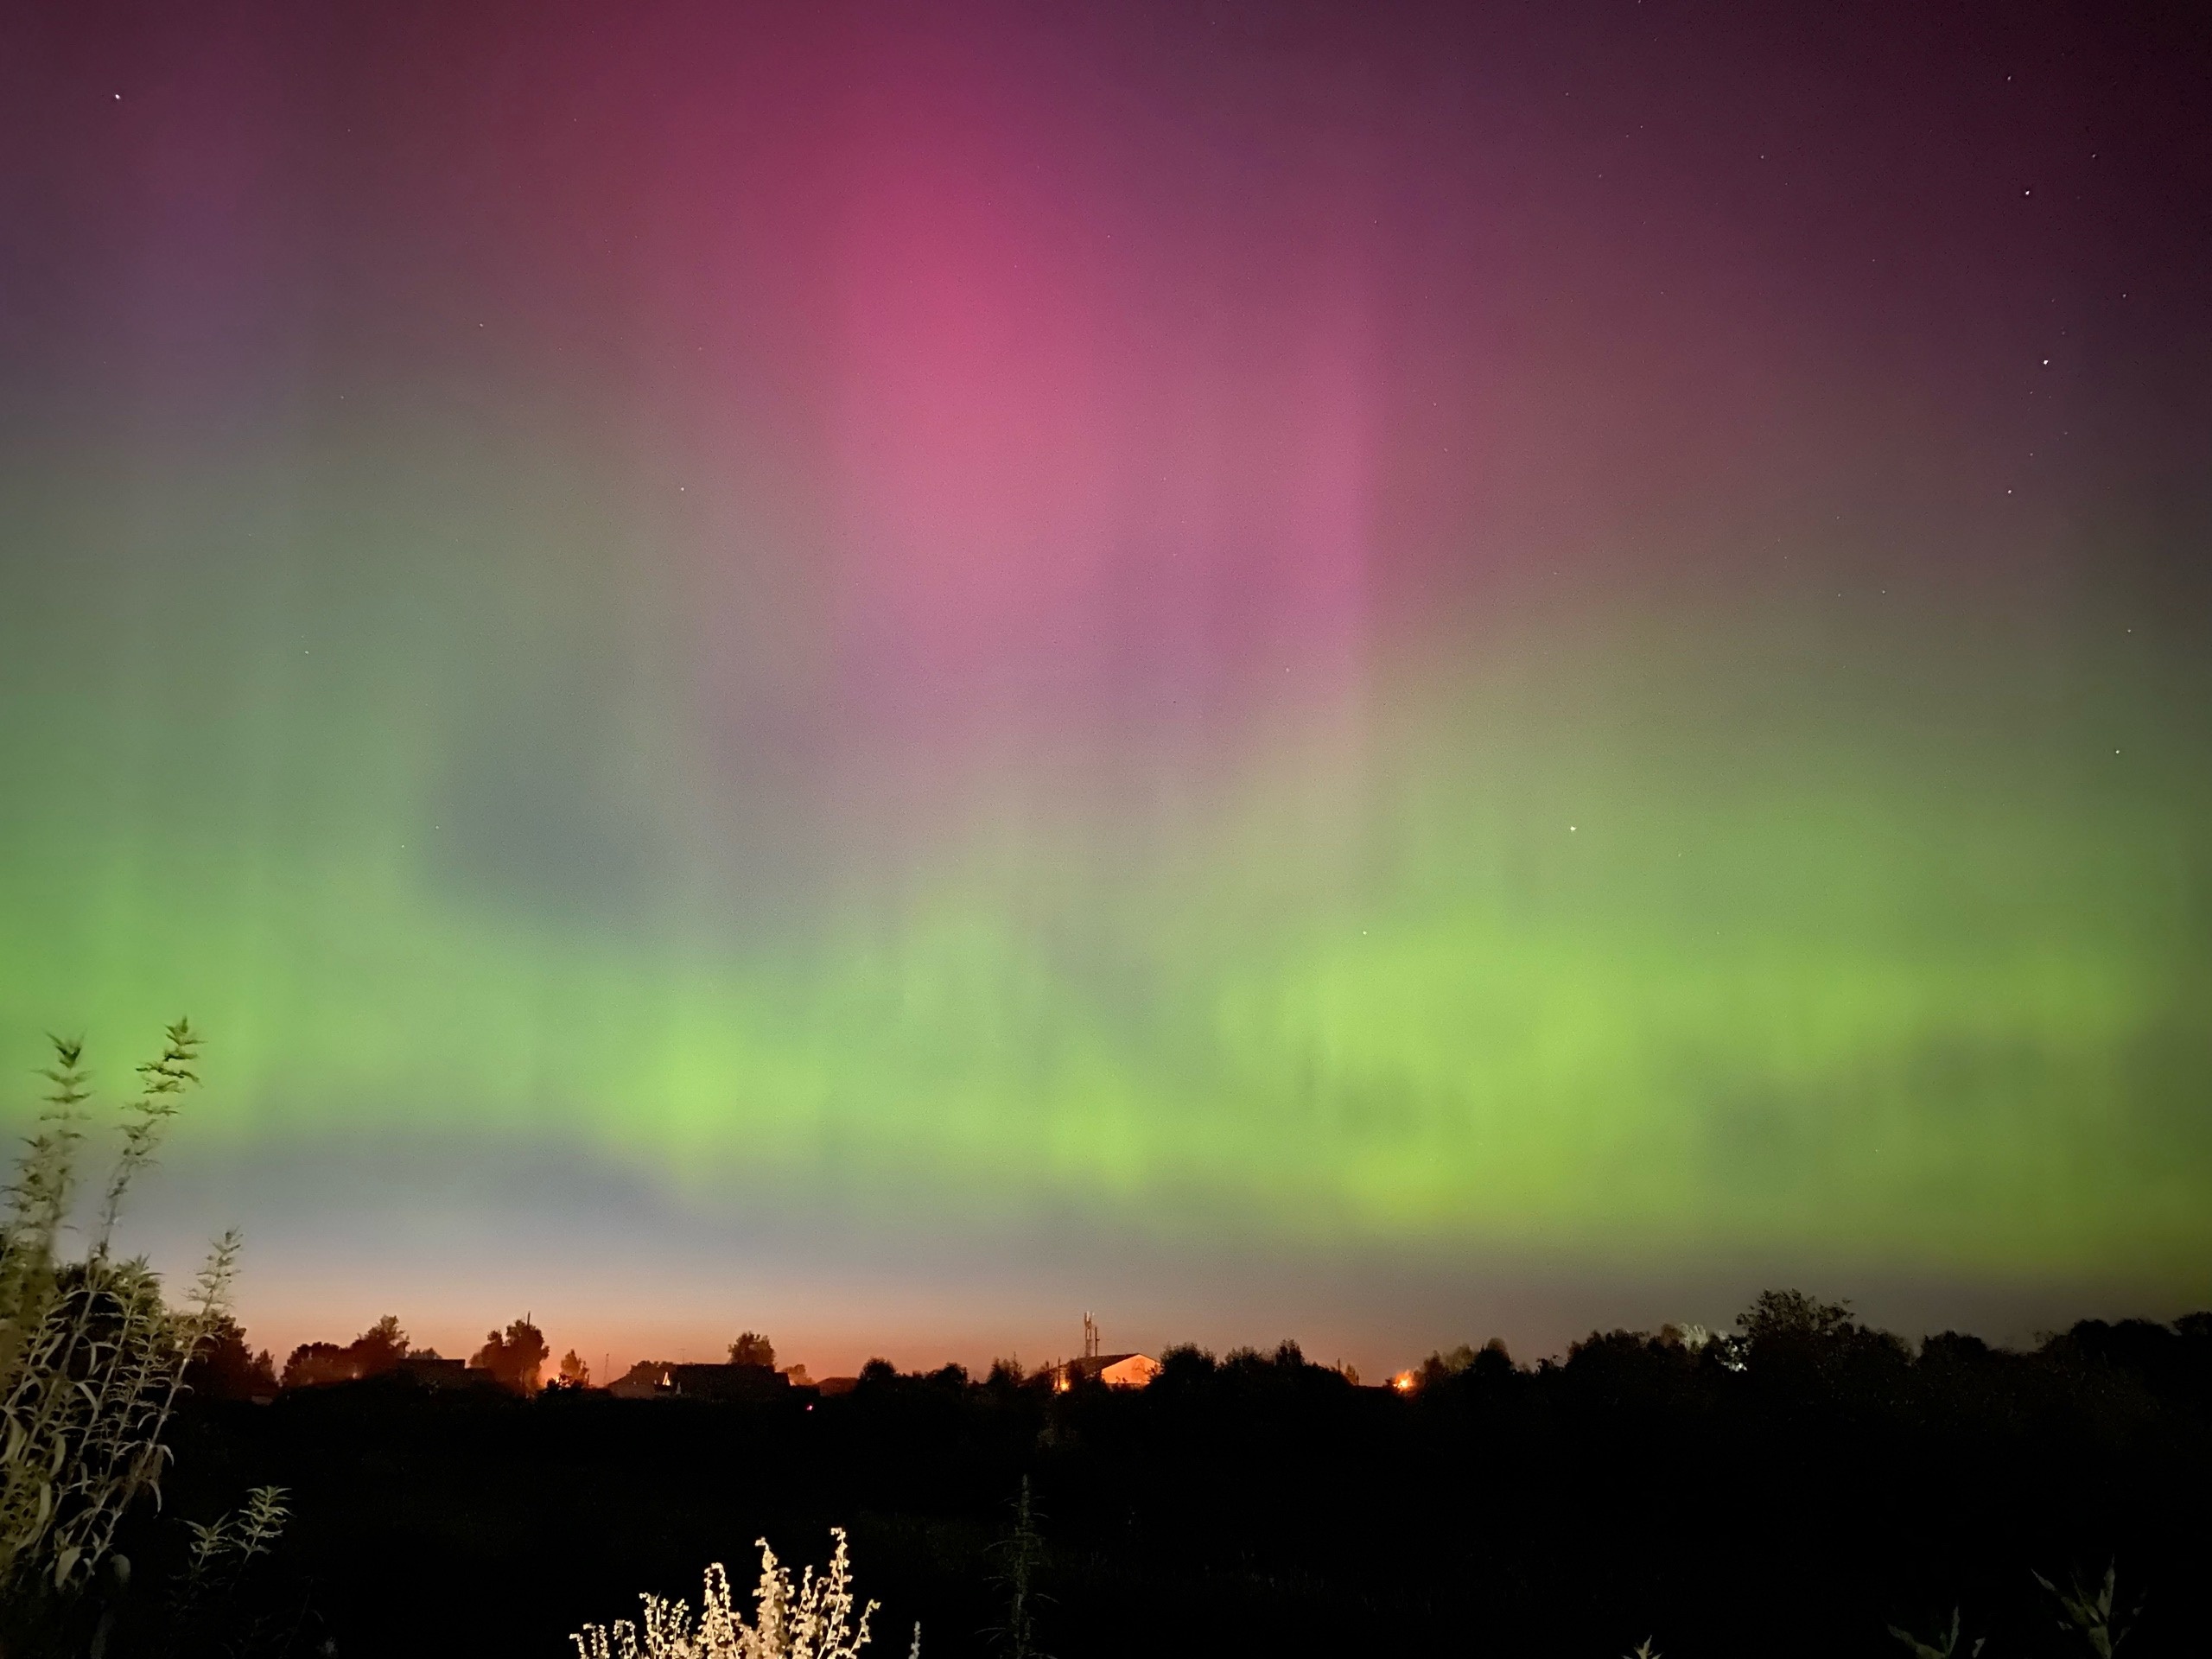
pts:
[92, 1356]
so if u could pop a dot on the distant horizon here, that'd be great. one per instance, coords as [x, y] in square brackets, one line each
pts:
[1538, 1316]
[611, 1363]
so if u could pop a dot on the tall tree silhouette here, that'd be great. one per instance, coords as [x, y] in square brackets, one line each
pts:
[752, 1349]
[227, 1367]
[515, 1360]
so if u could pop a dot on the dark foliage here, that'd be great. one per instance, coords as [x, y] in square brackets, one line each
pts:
[227, 1367]
[376, 1351]
[516, 1360]
[751, 1348]
[1797, 1487]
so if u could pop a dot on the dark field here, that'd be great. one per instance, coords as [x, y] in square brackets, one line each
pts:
[1834, 1485]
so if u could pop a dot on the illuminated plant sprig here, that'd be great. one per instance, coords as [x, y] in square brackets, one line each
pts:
[813, 1620]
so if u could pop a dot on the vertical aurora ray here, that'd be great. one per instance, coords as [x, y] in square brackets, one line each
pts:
[1275, 642]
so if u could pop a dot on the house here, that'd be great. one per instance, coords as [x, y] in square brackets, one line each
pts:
[433, 1370]
[1126, 1370]
[1114, 1371]
[661, 1379]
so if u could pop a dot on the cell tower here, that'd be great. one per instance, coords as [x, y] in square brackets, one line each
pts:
[1089, 1337]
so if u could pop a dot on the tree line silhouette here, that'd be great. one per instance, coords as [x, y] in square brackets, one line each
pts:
[1802, 1482]
[228, 1367]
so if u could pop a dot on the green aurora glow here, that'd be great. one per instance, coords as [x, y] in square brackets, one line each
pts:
[1590, 931]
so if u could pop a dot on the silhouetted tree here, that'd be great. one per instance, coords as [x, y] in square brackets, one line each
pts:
[751, 1348]
[1953, 1348]
[1786, 1332]
[227, 1368]
[381, 1347]
[377, 1350]
[1185, 1365]
[513, 1361]
[575, 1374]
[1446, 1364]
[1792, 1316]
[311, 1364]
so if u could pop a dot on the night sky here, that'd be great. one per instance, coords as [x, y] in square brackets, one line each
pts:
[884, 672]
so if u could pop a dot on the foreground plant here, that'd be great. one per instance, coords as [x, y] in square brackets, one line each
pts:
[224, 1548]
[2091, 1615]
[813, 1620]
[1025, 1558]
[1945, 1645]
[231, 1601]
[91, 1358]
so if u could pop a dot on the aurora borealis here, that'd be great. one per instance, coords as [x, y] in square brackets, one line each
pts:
[741, 660]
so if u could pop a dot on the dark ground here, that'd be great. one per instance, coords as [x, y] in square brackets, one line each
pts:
[1832, 1486]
